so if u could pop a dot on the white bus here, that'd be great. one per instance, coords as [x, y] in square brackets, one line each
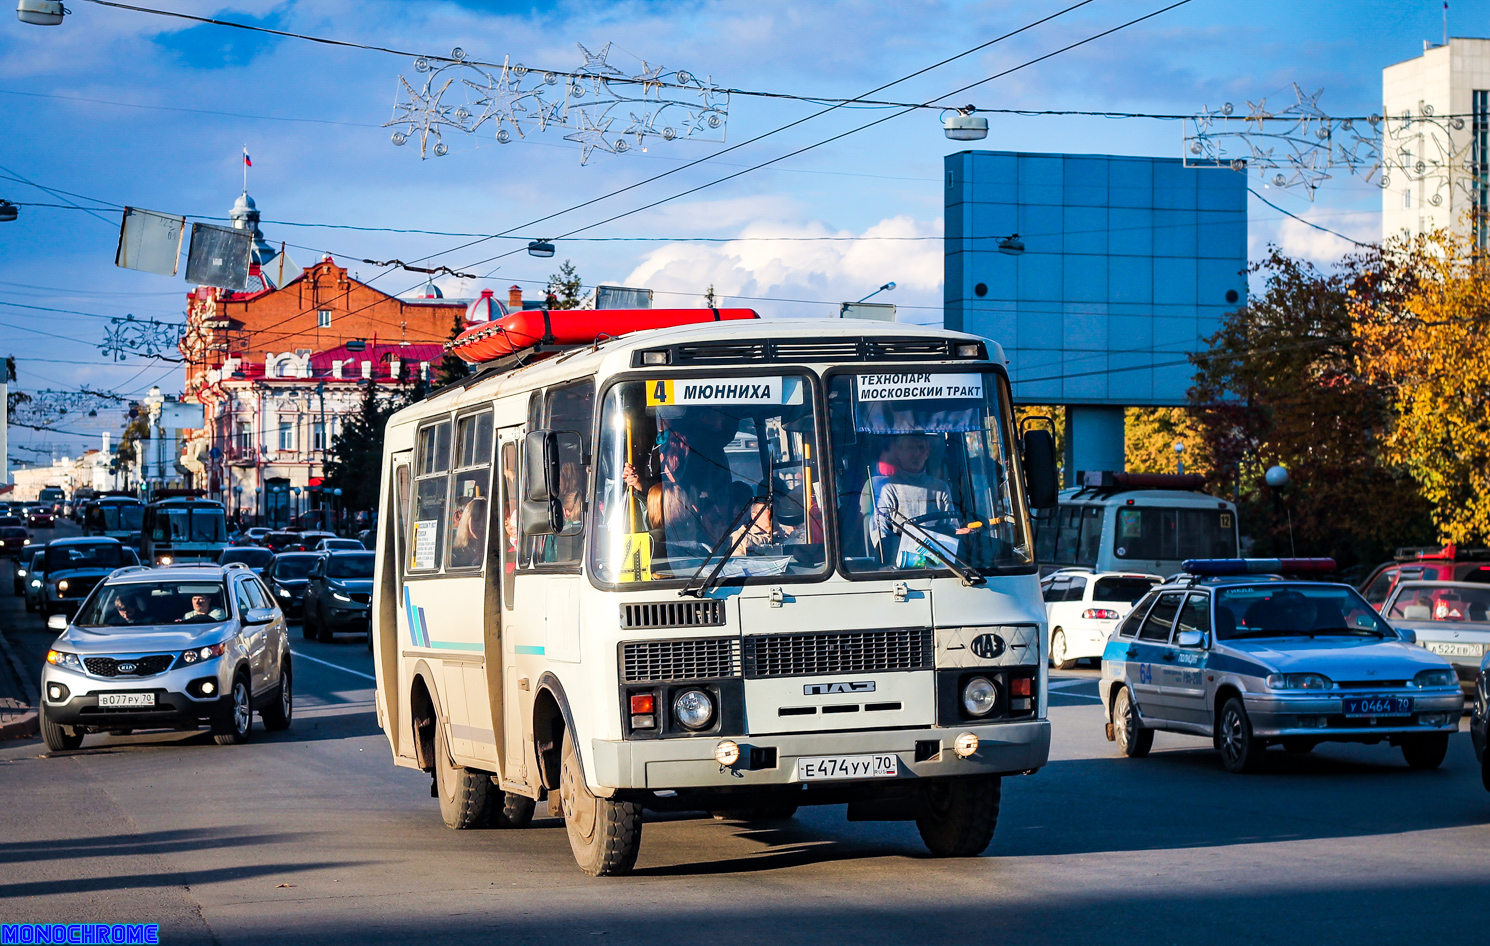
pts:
[736, 567]
[1135, 522]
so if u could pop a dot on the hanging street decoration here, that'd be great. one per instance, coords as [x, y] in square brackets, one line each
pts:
[1301, 146]
[46, 408]
[599, 106]
[132, 336]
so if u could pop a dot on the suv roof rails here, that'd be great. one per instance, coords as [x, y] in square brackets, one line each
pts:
[236, 565]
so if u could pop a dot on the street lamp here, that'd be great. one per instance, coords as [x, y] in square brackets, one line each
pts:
[542, 249]
[8, 211]
[963, 125]
[885, 288]
[336, 510]
[1011, 245]
[1179, 456]
[40, 12]
[1277, 477]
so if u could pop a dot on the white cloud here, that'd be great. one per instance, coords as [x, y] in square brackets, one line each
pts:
[829, 271]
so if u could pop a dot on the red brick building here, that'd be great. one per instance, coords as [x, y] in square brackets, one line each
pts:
[277, 368]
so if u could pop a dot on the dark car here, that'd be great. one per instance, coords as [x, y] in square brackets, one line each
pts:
[338, 596]
[1479, 720]
[73, 566]
[13, 539]
[286, 577]
[283, 542]
[254, 557]
[22, 572]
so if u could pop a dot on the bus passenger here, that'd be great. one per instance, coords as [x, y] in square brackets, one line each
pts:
[467, 531]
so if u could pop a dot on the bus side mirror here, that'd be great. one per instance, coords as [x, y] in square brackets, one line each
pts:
[1040, 480]
[541, 511]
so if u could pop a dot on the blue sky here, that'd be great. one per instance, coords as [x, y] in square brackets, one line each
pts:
[321, 156]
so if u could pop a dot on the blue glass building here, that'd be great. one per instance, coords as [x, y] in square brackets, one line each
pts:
[1128, 263]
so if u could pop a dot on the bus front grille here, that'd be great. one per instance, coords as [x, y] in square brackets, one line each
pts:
[706, 613]
[704, 658]
[791, 655]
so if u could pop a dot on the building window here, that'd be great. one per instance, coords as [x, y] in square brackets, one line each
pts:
[1481, 158]
[244, 435]
[318, 435]
[286, 435]
[1407, 200]
[323, 318]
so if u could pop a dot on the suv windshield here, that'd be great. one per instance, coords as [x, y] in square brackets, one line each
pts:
[1283, 610]
[135, 604]
[921, 458]
[1436, 602]
[688, 465]
[293, 567]
[354, 565]
[93, 555]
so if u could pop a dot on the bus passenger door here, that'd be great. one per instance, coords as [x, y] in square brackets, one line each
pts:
[391, 622]
[520, 621]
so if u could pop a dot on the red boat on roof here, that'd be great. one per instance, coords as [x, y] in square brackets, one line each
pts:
[517, 331]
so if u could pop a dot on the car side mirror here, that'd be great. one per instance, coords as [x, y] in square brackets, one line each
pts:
[1407, 634]
[1041, 483]
[57, 622]
[258, 615]
[1189, 639]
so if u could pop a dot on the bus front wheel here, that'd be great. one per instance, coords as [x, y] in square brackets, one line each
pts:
[958, 815]
[465, 795]
[604, 833]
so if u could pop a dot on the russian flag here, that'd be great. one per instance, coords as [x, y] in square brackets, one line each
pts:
[247, 161]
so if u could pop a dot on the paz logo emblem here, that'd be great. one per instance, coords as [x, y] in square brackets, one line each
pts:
[823, 689]
[126, 668]
[988, 646]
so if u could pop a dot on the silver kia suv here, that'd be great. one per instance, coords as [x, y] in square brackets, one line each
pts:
[172, 648]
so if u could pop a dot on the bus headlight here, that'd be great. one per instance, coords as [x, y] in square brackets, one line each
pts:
[979, 696]
[693, 709]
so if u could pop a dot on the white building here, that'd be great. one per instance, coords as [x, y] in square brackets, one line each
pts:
[1436, 140]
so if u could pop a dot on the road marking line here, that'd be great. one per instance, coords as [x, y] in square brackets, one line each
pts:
[317, 660]
[1060, 684]
[1078, 696]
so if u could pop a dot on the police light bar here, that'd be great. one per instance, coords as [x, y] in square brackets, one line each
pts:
[1255, 566]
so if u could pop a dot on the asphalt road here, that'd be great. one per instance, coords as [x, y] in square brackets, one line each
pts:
[312, 835]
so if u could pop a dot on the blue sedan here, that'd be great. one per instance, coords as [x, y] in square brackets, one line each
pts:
[1250, 659]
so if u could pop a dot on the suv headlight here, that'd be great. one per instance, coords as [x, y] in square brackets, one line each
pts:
[1435, 678]
[61, 658]
[1299, 681]
[199, 654]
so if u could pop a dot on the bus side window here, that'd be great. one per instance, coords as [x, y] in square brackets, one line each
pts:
[432, 465]
[570, 407]
[470, 494]
[507, 529]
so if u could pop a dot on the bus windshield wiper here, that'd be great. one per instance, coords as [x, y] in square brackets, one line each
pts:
[729, 532]
[959, 567]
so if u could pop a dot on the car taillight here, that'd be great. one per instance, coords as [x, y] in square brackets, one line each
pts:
[1099, 614]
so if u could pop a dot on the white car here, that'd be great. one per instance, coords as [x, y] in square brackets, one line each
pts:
[1082, 608]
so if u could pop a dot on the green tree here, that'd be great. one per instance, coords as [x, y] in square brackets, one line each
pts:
[1280, 384]
[566, 290]
[355, 463]
[452, 367]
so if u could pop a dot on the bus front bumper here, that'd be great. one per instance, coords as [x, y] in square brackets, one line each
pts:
[663, 764]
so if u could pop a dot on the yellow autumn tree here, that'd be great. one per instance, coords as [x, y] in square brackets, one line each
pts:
[1150, 433]
[1426, 339]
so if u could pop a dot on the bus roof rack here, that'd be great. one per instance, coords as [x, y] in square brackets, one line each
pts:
[1106, 482]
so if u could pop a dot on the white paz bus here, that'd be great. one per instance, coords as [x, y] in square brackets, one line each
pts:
[733, 566]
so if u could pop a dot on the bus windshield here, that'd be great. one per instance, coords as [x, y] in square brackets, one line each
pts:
[189, 524]
[699, 465]
[116, 517]
[923, 459]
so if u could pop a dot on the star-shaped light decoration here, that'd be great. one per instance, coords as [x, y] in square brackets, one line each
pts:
[423, 114]
[649, 77]
[590, 137]
[595, 63]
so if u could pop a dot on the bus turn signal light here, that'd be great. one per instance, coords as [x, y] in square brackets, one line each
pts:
[1019, 686]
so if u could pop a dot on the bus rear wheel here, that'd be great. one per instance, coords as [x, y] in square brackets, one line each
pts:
[604, 833]
[958, 815]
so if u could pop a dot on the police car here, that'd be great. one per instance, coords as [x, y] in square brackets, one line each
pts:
[1231, 650]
